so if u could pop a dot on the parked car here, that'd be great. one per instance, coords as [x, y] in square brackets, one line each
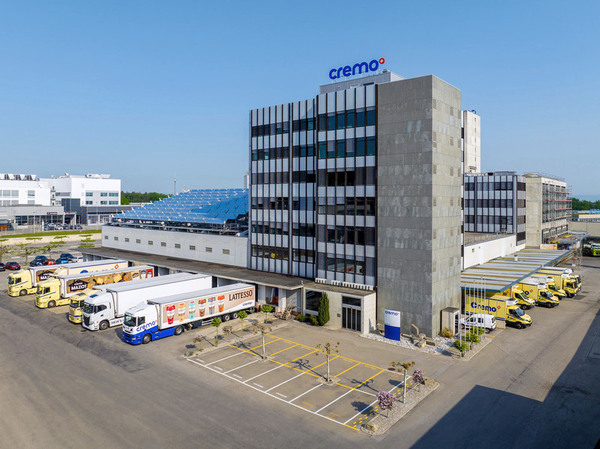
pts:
[39, 260]
[62, 260]
[13, 266]
[50, 262]
[68, 256]
[1, 266]
[483, 320]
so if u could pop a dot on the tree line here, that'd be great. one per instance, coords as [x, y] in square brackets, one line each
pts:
[577, 204]
[141, 197]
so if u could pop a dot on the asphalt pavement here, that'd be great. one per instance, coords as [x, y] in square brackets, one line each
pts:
[64, 387]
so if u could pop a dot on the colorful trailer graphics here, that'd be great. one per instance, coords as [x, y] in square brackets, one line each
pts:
[57, 290]
[167, 316]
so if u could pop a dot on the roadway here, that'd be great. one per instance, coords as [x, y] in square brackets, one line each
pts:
[64, 387]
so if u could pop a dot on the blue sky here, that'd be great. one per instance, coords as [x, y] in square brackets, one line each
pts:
[148, 90]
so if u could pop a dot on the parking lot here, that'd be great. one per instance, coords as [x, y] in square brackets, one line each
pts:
[294, 372]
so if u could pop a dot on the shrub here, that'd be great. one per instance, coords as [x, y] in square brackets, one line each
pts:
[323, 309]
[301, 318]
[462, 346]
[473, 337]
[446, 333]
[386, 400]
[313, 320]
[419, 376]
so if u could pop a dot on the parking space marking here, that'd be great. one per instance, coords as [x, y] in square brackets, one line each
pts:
[279, 352]
[261, 374]
[276, 397]
[301, 357]
[225, 358]
[346, 370]
[281, 394]
[258, 385]
[286, 381]
[237, 375]
[241, 366]
[306, 392]
[336, 399]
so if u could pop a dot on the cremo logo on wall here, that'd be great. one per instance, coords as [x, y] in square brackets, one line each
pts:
[356, 69]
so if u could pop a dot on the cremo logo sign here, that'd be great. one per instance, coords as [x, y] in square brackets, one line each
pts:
[356, 69]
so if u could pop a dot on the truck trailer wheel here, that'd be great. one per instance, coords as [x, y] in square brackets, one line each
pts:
[51, 304]
[226, 317]
[23, 292]
[178, 331]
[147, 339]
[234, 315]
[103, 325]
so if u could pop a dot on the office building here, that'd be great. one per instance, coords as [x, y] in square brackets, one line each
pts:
[361, 185]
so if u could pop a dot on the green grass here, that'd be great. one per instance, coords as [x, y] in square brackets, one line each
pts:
[49, 233]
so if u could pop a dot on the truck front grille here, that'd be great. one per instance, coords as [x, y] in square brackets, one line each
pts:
[86, 320]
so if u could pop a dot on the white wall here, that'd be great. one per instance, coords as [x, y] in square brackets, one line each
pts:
[76, 186]
[482, 252]
[127, 239]
[15, 193]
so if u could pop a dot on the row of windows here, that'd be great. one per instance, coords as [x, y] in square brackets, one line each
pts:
[348, 206]
[489, 219]
[491, 185]
[207, 249]
[270, 252]
[347, 234]
[339, 264]
[303, 255]
[359, 177]
[347, 119]
[300, 203]
[282, 229]
[9, 193]
[348, 148]
[283, 177]
[271, 129]
[493, 203]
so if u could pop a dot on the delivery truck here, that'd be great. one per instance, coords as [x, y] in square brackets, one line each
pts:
[549, 280]
[25, 282]
[106, 308]
[169, 315]
[502, 307]
[58, 290]
[76, 301]
[564, 279]
[517, 294]
[537, 289]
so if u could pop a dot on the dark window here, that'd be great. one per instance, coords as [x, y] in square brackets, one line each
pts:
[330, 122]
[360, 117]
[370, 116]
[330, 149]
[322, 122]
[350, 148]
[349, 119]
[360, 146]
[341, 120]
[340, 150]
[323, 150]
[371, 147]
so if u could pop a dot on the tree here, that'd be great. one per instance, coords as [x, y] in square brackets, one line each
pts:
[242, 315]
[266, 309]
[323, 309]
[26, 250]
[216, 323]
[328, 349]
[50, 246]
[405, 366]
[386, 401]
[262, 329]
[4, 249]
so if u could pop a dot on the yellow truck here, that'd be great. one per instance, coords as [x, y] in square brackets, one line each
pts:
[25, 282]
[517, 294]
[551, 284]
[538, 291]
[564, 279]
[58, 290]
[502, 307]
[76, 302]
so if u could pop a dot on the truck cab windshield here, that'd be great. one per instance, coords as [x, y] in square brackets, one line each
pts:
[517, 312]
[13, 280]
[89, 308]
[130, 321]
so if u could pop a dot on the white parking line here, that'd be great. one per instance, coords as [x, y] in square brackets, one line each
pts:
[306, 392]
[258, 385]
[285, 381]
[325, 406]
[225, 358]
[282, 395]
[218, 367]
[237, 375]
[258, 375]
[250, 363]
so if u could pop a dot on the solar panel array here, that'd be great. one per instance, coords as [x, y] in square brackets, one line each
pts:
[206, 206]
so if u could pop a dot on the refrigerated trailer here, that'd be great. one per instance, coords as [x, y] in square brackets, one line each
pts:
[25, 282]
[107, 308]
[169, 315]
